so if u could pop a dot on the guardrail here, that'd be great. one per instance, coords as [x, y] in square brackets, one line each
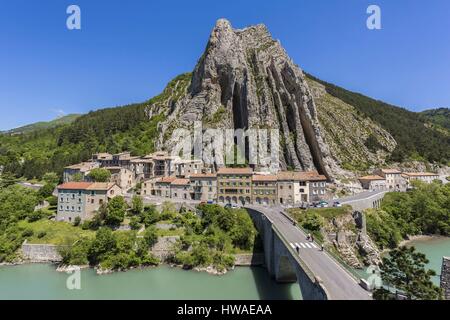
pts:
[331, 254]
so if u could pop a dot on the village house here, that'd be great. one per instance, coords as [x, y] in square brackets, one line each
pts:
[264, 189]
[426, 177]
[234, 185]
[159, 187]
[204, 186]
[293, 188]
[316, 183]
[394, 179]
[142, 168]
[184, 168]
[123, 177]
[81, 169]
[180, 189]
[83, 199]
[373, 182]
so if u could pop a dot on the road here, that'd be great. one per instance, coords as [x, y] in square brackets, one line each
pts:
[338, 282]
[359, 196]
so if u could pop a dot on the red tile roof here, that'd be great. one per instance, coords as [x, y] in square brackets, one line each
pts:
[75, 186]
[235, 171]
[264, 177]
[203, 175]
[101, 186]
[166, 180]
[180, 182]
[301, 176]
[371, 178]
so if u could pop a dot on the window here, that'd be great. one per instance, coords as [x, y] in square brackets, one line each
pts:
[302, 190]
[79, 209]
[61, 208]
[62, 199]
[92, 201]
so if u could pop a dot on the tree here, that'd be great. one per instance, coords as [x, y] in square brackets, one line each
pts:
[47, 190]
[7, 179]
[51, 178]
[137, 205]
[150, 236]
[77, 177]
[116, 211]
[100, 175]
[404, 270]
[103, 244]
[150, 215]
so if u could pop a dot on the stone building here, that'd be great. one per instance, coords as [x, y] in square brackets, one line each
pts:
[394, 179]
[159, 187]
[264, 189]
[83, 199]
[123, 177]
[234, 185]
[293, 188]
[180, 189]
[82, 169]
[204, 186]
[373, 182]
[184, 168]
[426, 177]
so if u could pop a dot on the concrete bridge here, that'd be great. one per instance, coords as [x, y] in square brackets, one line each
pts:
[364, 200]
[319, 276]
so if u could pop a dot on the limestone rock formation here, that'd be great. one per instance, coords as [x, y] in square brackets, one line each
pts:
[245, 79]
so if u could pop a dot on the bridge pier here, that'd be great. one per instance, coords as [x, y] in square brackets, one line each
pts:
[281, 262]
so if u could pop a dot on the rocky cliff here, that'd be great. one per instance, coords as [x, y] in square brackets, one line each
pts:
[245, 79]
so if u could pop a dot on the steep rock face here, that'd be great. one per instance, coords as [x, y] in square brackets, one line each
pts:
[245, 80]
[355, 142]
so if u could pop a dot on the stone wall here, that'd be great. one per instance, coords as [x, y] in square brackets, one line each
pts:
[163, 248]
[445, 277]
[40, 252]
[249, 259]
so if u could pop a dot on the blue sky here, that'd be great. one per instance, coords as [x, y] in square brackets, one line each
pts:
[127, 51]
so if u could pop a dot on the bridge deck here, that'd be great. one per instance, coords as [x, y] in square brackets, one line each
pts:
[339, 284]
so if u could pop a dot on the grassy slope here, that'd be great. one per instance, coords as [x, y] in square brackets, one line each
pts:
[45, 124]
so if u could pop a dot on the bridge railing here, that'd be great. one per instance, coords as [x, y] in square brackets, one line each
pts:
[330, 253]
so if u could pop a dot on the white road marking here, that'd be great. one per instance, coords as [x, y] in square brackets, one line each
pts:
[307, 244]
[292, 245]
[313, 244]
[297, 245]
[303, 245]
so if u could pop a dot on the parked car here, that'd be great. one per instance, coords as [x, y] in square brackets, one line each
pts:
[322, 204]
[231, 206]
[210, 202]
[337, 204]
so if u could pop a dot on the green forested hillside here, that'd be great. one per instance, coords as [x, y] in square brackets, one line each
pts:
[440, 117]
[114, 129]
[44, 124]
[415, 140]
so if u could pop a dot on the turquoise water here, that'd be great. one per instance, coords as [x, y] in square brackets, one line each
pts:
[41, 281]
[434, 249]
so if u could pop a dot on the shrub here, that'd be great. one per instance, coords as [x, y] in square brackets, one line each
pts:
[77, 221]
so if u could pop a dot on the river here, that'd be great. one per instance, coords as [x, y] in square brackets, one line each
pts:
[41, 281]
[434, 249]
